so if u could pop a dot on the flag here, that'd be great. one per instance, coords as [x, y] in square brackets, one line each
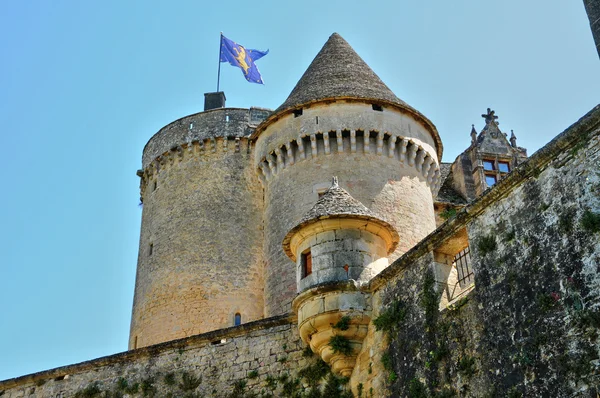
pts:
[244, 59]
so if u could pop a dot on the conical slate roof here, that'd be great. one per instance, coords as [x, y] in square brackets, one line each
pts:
[336, 201]
[338, 71]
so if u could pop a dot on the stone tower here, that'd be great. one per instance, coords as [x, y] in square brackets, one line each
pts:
[341, 119]
[222, 188]
[200, 260]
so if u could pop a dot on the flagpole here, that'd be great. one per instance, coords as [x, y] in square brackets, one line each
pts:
[219, 73]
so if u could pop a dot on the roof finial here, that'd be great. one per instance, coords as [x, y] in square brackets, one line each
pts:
[513, 139]
[490, 116]
[473, 134]
[334, 183]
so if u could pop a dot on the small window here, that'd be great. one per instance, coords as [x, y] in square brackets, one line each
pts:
[490, 180]
[226, 118]
[377, 108]
[150, 249]
[237, 321]
[154, 186]
[317, 119]
[135, 342]
[503, 167]
[306, 264]
[488, 165]
[462, 262]
[297, 112]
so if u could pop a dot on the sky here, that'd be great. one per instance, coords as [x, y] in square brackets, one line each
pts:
[84, 85]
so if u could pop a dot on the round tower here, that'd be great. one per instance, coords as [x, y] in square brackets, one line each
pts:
[200, 264]
[337, 246]
[341, 119]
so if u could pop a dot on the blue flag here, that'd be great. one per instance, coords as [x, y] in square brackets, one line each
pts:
[244, 59]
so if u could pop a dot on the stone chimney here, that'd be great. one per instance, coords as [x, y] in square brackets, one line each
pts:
[214, 100]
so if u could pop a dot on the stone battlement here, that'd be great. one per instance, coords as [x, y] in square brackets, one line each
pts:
[360, 141]
[192, 150]
[222, 122]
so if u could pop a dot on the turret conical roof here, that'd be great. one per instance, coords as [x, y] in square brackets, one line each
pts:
[336, 72]
[336, 201]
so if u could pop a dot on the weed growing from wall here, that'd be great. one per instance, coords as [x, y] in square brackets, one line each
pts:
[448, 213]
[343, 323]
[590, 221]
[340, 344]
[486, 244]
[391, 318]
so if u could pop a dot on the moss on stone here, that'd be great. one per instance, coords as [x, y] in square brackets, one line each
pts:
[390, 318]
[486, 244]
[590, 221]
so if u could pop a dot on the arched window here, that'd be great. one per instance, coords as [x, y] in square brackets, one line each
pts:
[237, 319]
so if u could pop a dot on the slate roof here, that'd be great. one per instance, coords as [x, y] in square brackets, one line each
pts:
[338, 71]
[336, 201]
[447, 194]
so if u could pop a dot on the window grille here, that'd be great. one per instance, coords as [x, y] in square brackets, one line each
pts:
[465, 277]
[462, 262]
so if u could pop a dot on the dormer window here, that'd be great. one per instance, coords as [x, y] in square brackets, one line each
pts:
[503, 167]
[488, 165]
[490, 180]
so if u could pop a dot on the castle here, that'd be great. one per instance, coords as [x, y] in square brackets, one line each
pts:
[323, 249]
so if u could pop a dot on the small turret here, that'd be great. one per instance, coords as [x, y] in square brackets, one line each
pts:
[337, 246]
[513, 139]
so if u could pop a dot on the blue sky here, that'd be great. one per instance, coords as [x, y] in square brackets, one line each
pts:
[84, 85]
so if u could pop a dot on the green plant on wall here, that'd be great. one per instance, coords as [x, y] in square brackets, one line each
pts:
[343, 323]
[93, 390]
[189, 382]
[416, 389]
[448, 213]
[390, 318]
[340, 344]
[590, 221]
[486, 244]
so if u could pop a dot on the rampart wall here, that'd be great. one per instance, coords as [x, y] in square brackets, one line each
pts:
[528, 327]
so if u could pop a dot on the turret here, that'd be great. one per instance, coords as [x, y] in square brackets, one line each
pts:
[337, 246]
[342, 119]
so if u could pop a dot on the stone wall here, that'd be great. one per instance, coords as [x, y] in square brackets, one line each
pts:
[265, 358]
[209, 365]
[531, 325]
